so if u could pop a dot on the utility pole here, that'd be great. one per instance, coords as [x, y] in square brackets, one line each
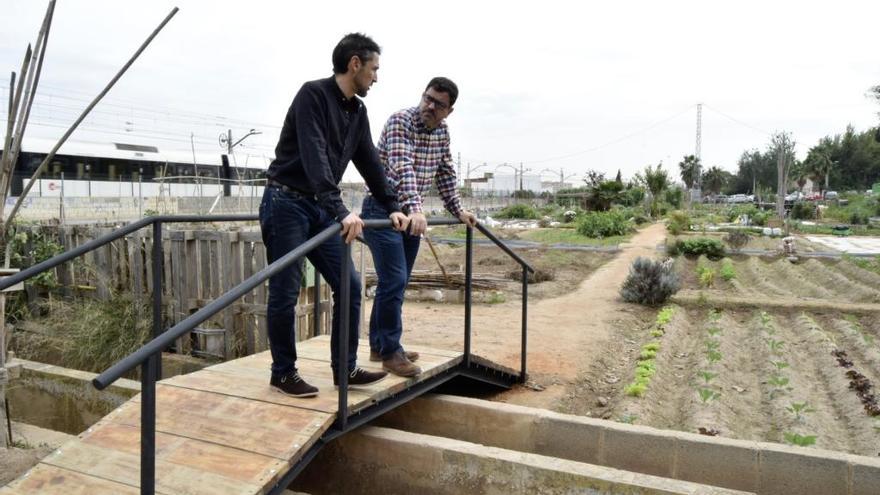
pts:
[696, 193]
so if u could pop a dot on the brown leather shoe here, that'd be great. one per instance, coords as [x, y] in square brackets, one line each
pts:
[413, 356]
[399, 365]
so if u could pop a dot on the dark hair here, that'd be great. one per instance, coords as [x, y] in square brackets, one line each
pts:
[351, 45]
[444, 85]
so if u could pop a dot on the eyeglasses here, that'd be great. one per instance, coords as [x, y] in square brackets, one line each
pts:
[430, 100]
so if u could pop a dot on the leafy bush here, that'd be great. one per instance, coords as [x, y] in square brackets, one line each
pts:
[706, 275]
[737, 239]
[859, 217]
[519, 210]
[737, 211]
[728, 273]
[803, 211]
[760, 218]
[650, 282]
[674, 197]
[679, 221]
[603, 224]
[712, 248]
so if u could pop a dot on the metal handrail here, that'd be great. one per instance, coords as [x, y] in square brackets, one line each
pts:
[148, 356]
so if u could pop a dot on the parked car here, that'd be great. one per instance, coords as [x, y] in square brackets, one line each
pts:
[830, 195]
[795, 196]
[741, 198]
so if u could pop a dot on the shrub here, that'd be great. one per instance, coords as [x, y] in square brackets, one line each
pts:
[679, 221]
[705, 274]
[859, 217]
[650, 282]
[760, 218]
[603, 224]
[712, 248]
[728, 273]
[803, 211]
[737, 211]
[518, 211]
[737, 239]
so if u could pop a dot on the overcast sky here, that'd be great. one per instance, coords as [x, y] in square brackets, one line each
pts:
[550, 84]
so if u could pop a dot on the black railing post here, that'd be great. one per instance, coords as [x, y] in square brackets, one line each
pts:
[342, 336]
[157, 290]
[148, 425]
[525, 306]
[468, 279]
[316, 319]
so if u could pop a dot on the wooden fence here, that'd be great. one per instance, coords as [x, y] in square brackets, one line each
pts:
[199, 266]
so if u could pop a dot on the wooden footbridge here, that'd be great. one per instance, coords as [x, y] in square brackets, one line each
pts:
[224, 430]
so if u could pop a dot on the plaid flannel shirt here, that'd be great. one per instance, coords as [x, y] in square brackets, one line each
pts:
[414, 156]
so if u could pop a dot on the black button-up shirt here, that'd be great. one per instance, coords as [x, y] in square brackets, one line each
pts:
[322, 132]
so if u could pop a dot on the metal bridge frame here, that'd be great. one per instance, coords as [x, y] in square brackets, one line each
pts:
[149, 355]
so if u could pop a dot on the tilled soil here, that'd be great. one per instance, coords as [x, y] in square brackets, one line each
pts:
[757, 398]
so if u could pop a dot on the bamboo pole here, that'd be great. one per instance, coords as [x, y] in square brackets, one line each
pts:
[85, 113]
[7, 144]
[437, 258]
[30, 88]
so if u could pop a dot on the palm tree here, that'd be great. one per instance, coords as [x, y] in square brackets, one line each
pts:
[714, 179]
[688, 170]
[799, 174]
[819, 164]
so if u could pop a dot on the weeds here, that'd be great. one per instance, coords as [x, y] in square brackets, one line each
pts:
[707, 376]
[780, 365]
[636, 389]
[799, 409]
[707, 278]
[664, 316]
[728, 273]
[775, 345]
[707, 395]
[778, 381]
[713, 356]
[628, 419]
[799, 440]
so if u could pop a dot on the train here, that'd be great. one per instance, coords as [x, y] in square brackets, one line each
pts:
[109, 169]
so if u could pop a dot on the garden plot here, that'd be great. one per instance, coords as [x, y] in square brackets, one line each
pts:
[793, 377]
[776, 277]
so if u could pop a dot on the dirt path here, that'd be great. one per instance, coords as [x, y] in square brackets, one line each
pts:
[565, 333]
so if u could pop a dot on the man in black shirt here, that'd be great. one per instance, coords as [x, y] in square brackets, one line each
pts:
[326, 127]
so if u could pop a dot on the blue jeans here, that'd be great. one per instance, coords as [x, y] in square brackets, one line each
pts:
[287, 220]
[394, 254]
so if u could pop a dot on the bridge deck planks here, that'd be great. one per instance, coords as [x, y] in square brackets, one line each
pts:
[219, 430]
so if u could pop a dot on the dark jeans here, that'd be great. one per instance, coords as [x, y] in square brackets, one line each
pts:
[287, 220]
[394, 254]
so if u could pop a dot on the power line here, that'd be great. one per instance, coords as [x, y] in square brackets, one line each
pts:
[735, 120]
[609, 143]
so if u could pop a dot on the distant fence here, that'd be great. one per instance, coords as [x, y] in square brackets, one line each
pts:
[199, 266]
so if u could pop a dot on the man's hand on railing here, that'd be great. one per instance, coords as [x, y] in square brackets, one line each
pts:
[468, 218]
[418, 224]
[399, 221]
[352, 226]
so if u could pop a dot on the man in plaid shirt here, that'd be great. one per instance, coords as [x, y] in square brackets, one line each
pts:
[414, 147]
